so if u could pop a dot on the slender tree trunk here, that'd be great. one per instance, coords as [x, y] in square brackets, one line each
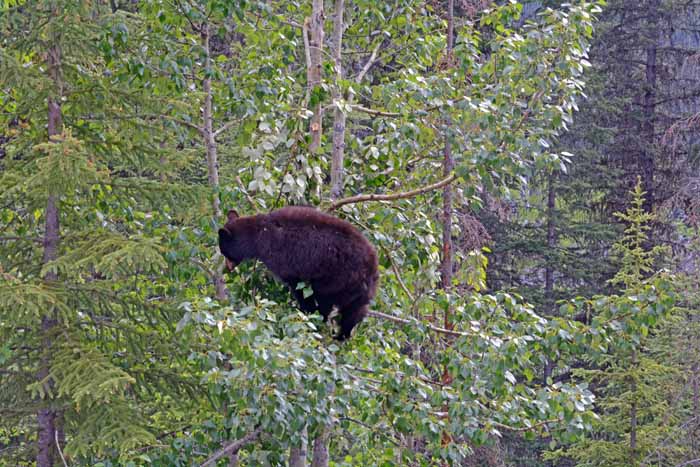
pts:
[339, 118]
[447, 195]
[297, 454]
[320, 454]
[47, 416]
[549, 268]
[315, 68]
[447, 202]
[213, 171]
[211, 149]
[208, 117]
[320, 450]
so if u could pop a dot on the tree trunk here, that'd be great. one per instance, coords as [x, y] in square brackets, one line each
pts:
[649, 109]
[447, 201]
[320, 455]
[47, 416]
[320, 450]
[447, 196]
[208, 127]
[339, 118]
[211, 150]
[314, 71]
[297, 454]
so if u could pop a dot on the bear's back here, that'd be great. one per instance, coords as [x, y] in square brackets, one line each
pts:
[302, 241]
[299, 216]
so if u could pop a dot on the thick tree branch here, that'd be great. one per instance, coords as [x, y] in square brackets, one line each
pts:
[380, 113]
[232, 448]
[394, 196]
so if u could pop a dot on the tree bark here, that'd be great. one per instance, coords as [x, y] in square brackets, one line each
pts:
[649, 109]
[211, 150]
[297, 454]
[314, 71]
[320, 454]
[47, 416]
[339, 118]
[208, 127]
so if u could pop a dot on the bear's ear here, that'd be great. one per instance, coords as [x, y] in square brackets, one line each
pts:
[232, 215]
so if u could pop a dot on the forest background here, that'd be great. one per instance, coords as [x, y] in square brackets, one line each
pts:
[528, 172]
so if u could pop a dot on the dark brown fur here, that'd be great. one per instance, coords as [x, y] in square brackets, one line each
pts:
[303, 244]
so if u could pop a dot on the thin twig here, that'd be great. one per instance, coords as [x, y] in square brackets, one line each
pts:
[368, 65]
[225, 127]
[402, 284]
[391, 197]
[58, 448]
[233, 447]
[203, 267]
[245, 192]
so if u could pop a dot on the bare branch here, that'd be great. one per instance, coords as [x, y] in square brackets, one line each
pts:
[245, 192]
[372, 60]
[232, 448]
[411, 322]
[380, 113]
[225, 127]
[397, 273]
[394, 196]
[307, 54]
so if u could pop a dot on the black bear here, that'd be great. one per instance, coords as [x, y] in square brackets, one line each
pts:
[302, 244]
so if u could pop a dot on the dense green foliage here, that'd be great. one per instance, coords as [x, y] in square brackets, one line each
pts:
[138, 123]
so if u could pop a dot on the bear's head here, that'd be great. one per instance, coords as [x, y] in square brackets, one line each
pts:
[232, 241]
